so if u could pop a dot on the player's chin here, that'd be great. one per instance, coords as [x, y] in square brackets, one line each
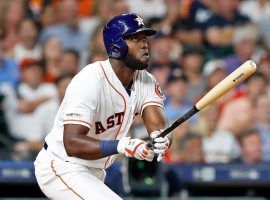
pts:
[144, 59]
[143, 64]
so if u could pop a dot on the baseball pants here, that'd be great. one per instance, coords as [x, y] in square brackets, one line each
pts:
[60, 180]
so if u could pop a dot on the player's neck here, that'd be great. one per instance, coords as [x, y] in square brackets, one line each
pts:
[124, 74]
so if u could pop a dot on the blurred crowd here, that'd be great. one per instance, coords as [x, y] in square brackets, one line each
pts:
[44, 43]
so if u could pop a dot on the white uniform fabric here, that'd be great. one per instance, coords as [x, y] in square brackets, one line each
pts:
[97, 99]
[62, 180]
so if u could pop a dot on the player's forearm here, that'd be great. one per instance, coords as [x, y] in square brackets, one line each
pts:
[88, 148]
[81, 146]
[154, 119]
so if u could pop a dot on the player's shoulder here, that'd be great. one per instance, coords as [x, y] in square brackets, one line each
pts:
[148, 83]
[91, 70]
[145, 76]
[90, 74]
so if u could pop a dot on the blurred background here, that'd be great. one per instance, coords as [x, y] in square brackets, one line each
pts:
[222, 152]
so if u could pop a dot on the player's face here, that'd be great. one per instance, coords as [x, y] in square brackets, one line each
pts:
[137, 56]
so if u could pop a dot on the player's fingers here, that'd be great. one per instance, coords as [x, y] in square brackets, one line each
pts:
[139, 148]
[144, 152]
[161, 140]
[139, 157]
[159, 151]
[127, 153]
[150, 157]
[160, 145]
[151, 152]
[160, 157]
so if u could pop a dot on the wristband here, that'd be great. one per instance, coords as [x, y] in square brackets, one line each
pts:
[108, 147]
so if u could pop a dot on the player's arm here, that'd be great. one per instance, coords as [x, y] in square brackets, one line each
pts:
[154, 118]
[77, 144]
[79, 114]
[155, 121]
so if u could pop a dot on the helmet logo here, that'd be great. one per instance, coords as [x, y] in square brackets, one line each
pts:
[139, 20]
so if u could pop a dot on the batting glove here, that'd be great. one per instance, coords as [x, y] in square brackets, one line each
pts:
[161, 144]
[135, 148]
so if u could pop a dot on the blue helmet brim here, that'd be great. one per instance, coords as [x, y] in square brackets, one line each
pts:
[148, 31]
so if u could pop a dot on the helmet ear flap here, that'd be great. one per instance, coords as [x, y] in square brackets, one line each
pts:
[115, 51]
[116, 48]
[119, 49]
[115, 45]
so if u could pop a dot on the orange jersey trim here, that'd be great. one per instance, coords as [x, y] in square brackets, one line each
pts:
[125, 105]
[64, 181]
[77, 120]
[155, 102]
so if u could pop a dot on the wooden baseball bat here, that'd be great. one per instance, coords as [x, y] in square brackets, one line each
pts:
[233, 79]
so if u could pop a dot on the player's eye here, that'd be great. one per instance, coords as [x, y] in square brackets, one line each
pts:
[135, 39]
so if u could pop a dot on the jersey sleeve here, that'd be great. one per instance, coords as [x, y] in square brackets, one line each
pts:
[153, 94]
[81, 102]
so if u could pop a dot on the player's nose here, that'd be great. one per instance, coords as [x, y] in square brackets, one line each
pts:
[145, 44]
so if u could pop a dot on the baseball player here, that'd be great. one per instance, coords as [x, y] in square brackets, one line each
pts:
[99, 106]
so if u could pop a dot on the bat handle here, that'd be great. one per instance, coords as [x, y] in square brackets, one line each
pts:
[178, 122]
[150, 144]
[162, 134]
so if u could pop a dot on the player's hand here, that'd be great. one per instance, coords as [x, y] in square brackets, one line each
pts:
[135, 148]
[161, 144]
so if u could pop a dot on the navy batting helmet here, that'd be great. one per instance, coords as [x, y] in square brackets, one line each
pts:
[119, 27]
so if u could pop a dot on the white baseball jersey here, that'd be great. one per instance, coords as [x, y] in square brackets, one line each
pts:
[97, 99]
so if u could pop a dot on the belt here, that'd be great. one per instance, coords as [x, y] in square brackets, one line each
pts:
[45, 146]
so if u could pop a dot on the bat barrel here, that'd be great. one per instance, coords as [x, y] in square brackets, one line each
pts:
[236, 77]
